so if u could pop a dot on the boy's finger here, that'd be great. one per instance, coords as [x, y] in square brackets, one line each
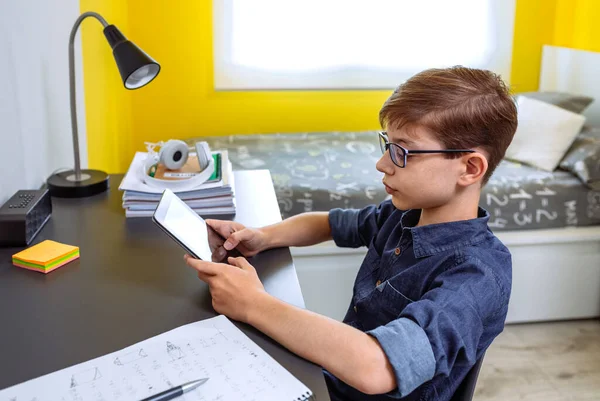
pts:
[219, 254]
[220, 226]
[213, 223]
[240, 262]
[202, 266]
[205, 277]
[234, 239]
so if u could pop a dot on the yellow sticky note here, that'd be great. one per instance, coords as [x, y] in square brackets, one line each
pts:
[45, 253]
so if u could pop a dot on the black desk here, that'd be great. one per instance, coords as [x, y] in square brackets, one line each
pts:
[130, 284]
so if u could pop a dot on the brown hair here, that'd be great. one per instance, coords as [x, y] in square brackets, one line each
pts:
[462, 107]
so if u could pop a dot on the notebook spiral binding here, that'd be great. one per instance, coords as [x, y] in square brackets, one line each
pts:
[308, 396]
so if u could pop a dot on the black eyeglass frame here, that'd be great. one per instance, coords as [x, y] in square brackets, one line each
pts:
[386, 144]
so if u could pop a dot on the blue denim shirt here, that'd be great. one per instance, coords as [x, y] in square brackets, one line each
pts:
[433, 296]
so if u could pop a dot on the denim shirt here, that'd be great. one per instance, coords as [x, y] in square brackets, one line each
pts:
[433, 296]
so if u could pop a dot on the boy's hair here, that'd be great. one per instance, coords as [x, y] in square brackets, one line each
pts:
[462, 107]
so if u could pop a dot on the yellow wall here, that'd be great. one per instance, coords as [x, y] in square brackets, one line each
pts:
[181, 103]
[107, 103]
[567, 23]
[577, 24]
[534, 27]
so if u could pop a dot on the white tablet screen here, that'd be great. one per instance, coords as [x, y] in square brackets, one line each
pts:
[188, 227]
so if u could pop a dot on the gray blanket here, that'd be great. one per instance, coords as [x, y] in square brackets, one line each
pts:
[321, 171]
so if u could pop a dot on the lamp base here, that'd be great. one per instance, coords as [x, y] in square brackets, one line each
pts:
[66, 185]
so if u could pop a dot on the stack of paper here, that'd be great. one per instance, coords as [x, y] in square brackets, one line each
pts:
[45, 256]
[214, 197]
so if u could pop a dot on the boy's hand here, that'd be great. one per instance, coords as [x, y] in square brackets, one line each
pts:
[235, 288]
[249, 241]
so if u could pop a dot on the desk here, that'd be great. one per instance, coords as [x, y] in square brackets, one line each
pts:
[130, 284]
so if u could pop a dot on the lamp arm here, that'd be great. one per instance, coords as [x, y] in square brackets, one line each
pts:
[72, 86]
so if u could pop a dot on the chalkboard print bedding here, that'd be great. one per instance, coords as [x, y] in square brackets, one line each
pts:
[321, 171]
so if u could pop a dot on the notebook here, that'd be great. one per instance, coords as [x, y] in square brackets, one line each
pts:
[190, 169]
[46, 256]
[237, 369]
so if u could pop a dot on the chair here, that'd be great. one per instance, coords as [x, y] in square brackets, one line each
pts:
[466, 389]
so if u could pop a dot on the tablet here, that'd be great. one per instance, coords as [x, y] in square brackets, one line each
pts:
[185, 227]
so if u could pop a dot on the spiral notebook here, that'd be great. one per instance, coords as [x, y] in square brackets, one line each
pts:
[236, 368]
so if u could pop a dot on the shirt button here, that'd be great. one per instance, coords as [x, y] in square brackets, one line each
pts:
[378, 283]
[355, 309]
[397, 251]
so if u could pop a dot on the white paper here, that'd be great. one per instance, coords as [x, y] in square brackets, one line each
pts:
[237, 369]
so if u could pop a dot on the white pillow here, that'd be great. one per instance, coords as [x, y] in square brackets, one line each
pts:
[544, 134]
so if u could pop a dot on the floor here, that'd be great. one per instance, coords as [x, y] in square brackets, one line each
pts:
[544, 361]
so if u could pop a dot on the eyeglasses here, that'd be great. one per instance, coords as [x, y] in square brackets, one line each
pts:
[399, 154]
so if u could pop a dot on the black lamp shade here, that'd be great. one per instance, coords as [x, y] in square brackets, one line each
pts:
[136, 67]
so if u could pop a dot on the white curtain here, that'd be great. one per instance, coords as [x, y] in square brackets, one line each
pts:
[298, 44]
[35, 129]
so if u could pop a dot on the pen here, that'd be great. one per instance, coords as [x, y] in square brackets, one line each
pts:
[176, 391]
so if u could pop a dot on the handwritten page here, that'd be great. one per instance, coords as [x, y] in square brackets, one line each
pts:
[237, 369]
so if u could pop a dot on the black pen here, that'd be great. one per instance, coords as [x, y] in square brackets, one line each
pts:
[176, 391]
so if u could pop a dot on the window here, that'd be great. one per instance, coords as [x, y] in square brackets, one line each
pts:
[355, 44]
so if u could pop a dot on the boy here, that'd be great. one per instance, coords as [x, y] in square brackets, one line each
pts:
[433, 290]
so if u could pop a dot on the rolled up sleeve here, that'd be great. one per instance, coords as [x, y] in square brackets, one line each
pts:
[353, 228]
[408, 350]
[344, 227]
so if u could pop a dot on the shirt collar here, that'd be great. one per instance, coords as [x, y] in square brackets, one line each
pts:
[434, 238]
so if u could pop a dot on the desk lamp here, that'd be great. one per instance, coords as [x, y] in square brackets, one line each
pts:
[137, 69]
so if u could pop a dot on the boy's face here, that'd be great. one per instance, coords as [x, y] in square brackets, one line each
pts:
[428, 180]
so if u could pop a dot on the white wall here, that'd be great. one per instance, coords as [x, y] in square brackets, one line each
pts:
[573, 71]
[35, 128]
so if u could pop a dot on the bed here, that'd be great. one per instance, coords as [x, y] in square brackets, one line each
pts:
[321, 171]
[549, 221]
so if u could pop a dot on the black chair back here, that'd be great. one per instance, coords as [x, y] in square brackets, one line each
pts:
[467, 388]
